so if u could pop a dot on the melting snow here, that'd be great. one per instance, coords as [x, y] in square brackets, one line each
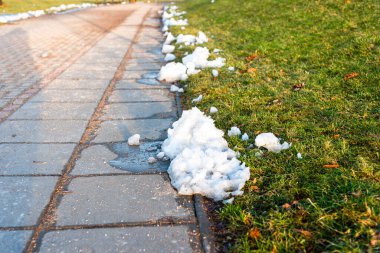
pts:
[134, 140]
[215, 73]
[199, 58]
[299, 156]
[245, 137]
[270, 142]
[169, 57]
[166, 49]
[201, 160]
[169, 39]
[234, 131]
[198, 99]
[213, 110]
[172, 72]
[231, 68]
[174, 88]
[152, 160]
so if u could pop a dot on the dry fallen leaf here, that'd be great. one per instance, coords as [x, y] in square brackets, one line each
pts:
[286, 206]
[351, 75]
[298, 86]
[331, 166]
[252, 57]
[254, 233]
[255, 188]
[251, 70]
[304, 232]
[336, 136]
[356, 194]
[375, 240]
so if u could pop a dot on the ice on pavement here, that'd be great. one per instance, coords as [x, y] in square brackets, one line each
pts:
[172, 72]
[134, 140]
[270, 142]
[213, 110]
[201, 162]
[197, 99]
[234, 131]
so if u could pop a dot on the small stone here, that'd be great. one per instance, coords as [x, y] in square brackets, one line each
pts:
[134, 140]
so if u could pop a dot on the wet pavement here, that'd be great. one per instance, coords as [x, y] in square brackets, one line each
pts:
[69, 182]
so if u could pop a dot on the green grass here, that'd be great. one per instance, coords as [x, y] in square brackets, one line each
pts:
[16, 6]
[330, 120]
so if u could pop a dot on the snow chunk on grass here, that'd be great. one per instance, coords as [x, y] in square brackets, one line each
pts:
[270, 142]
[215, 73]
[134, 140]
[169, 39]
[198, 99]
[174, 88]
[173, 72]
[166, 49]
[202, 162]
[245, 137]
[299, 156]
[234, 131]
[213, 110]
[169, 57]
[199, 59]
[231, 68]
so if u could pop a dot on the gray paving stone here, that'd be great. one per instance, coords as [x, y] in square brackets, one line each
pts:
[22, 199]
[121, 130]
[140, 84]
[114, 199]
[118, 158]
[122, 240]
[14, 241]
[135, 74]
[81, 74]
[154, 95]
[143, 66]
[80, 96]
[139, 110]
[18, 159]
[46, 110]
[42, 130]
[70, 84]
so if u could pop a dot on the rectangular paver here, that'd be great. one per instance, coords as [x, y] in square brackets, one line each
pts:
[83, 84]
[14, 241]
[16, 159]
[122, 240]
[139, 110]
[140, 84]
[42, 130]
[45, 110]
[22, 199]
[79, 96]
[114, 199]
[121, 130]
[156, 95]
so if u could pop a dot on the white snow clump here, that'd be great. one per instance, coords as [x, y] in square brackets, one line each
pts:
[213, 110]
[245, 137]
[202, 163]
[169, 57]
[234, 131]
[166, 49]
[199, 59]
[270, 142]
[215, 73]
[197, 99]
[134, 140]
[173, 72]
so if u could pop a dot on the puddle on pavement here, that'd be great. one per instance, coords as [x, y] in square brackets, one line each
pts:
[135, 158]
[148, 81]
[150, 75]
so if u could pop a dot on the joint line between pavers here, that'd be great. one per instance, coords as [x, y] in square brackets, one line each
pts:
[49, 210]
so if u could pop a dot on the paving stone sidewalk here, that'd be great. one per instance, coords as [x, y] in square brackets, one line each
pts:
[69, 182]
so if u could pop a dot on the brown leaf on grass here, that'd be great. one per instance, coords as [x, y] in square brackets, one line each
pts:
[286, 206]
[351, 75]
[336, 136]
[251, 70]
[254, 233]
[251, 57]
[304, 232]
[375, 240]
[331, 166]
[254, 181]
[298, 86]
[255, 188]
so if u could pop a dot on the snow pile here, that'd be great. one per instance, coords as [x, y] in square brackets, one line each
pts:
[202, 163]
[199, 59]
[6, 18]
[173, 72]
[168, 18]
[134, 140]
[191, 39]
[270, 142]
[166, 49]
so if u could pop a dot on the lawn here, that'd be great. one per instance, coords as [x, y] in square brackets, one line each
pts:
[16, 6]
[308, 71]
